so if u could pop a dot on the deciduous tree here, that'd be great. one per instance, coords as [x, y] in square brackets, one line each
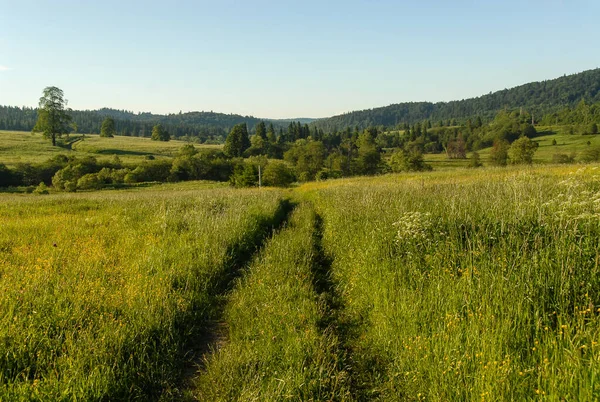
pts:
[53, 116]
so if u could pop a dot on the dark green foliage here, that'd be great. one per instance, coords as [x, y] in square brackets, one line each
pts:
[8, 178]
[537, 97]
[244, 175]
[108, 128]
[584, 113]
[53, 117]
[159, 133]
[237, 141]
[261, 130]
[593, 128]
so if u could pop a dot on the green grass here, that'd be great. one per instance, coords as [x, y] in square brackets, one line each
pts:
[478, 286]
[456, 284]
[100, 292]
[24, 147]
[565, 144]
[278, 347]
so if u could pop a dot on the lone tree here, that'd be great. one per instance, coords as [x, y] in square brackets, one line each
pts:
[159, 133]
[108, 128]
[53, 117]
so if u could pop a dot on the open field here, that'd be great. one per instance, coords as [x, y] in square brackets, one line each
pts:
[457, 284]
[479, 286]
[24, 147]
[100, 292]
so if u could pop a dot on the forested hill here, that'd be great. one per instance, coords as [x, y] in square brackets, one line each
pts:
[537, 97]
[206, 126]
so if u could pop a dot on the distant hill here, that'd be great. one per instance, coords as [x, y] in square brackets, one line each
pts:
[536, 97]
[208, 126]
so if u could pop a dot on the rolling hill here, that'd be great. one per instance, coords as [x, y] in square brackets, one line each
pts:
[536, 97]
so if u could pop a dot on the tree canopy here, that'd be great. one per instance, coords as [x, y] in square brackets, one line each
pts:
[237, 141]
[53, 116]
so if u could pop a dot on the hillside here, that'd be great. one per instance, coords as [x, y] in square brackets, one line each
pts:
[536, 97]
[206, 126]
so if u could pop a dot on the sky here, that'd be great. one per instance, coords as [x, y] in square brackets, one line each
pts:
[284, 59]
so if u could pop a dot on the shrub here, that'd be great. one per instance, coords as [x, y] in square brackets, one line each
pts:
[475, 160]
[408, 161]
[277, 174]
[522, 150]
[41, 189]
[304, 177]
[89, 181]
[499, 152]
[244, 175]
[563, 158]
[151, 171]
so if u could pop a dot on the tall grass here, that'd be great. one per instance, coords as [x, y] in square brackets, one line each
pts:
[99, 291]
[482, 288]
[278, 345]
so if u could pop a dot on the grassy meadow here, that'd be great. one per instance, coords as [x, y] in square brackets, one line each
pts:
[23, 147]
[100, 292]
[479, 287]
[456, 284]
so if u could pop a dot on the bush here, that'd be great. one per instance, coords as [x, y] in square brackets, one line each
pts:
[277, 174]
[563, 158]
[522, 150]
[304, 177]
[151, 171]
[475, 160]
[499, 153]
[89, 181]
[408, 161]
[41, 189]
[244, 175]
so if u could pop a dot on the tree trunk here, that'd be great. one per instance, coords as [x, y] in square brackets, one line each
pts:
[53, 140]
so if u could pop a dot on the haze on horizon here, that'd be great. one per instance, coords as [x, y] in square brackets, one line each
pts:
[285, 59]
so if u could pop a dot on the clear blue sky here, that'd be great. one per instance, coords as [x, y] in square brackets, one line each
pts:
[286, 58]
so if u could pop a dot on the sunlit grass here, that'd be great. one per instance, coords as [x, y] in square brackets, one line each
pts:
[98, 290]
[483, 285]
[24, 147]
